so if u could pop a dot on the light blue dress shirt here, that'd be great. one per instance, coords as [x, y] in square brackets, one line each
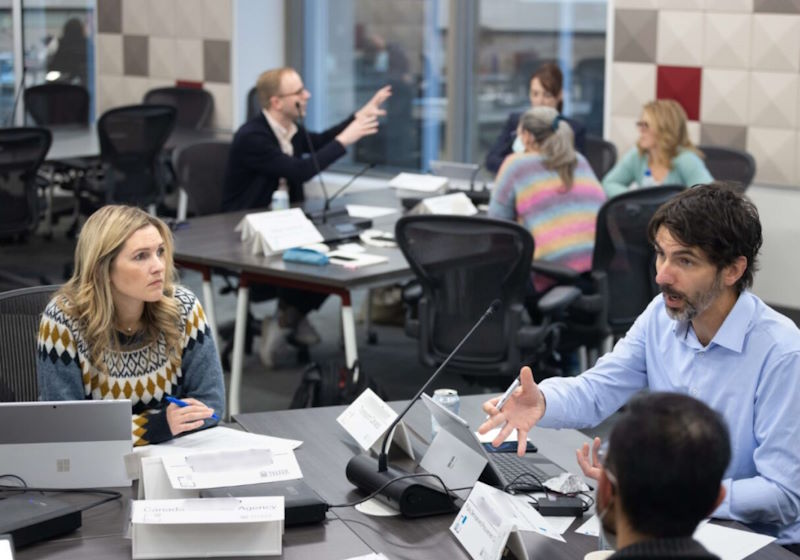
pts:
[749, 373]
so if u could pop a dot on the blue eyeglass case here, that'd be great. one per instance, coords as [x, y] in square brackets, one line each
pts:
[306, 256]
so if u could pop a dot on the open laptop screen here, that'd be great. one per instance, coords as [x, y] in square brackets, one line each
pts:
[66, 444]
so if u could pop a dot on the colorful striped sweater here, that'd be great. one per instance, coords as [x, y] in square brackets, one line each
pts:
[561, 221]
[145, 374]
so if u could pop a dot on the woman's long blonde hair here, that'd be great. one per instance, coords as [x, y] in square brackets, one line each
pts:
[555, 139]
[88, 292]
[669, 121]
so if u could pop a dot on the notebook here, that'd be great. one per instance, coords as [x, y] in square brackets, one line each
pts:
[66, 444]
[502, 469]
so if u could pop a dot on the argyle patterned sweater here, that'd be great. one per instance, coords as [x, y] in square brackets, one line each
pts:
[145, 374]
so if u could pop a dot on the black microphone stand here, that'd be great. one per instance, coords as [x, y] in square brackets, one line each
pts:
[494, 306]
[311, 151]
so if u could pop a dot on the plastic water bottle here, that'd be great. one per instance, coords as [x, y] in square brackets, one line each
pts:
[449, 399]
[280, 200]
[647, 180]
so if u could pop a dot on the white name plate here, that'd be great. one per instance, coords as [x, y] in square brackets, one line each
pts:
[368, 418]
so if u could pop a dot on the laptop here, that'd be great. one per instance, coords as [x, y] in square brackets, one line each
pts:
[462, 177]
[66, 444]
[503, 470]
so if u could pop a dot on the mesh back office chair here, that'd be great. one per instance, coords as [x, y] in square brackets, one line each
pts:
[22, 151]
[131, 140]
[194, 106]
[602, 155]
[462, 264]
[622, 280]
[622, 251]
[58, 104]
[20, 311]
[727, 164]
[200, 170]
[253, 104]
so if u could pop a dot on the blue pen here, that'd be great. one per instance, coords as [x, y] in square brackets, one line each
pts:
[182, 404]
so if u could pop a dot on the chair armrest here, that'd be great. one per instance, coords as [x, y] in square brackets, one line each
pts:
[411, 292]
[560, 273]
[558, 299]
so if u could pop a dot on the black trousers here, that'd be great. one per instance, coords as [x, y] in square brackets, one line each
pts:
[302, 300]
[795, 548]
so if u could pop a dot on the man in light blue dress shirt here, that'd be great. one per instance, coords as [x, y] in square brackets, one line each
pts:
[706, 336]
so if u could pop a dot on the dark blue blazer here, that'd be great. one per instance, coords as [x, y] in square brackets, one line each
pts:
[256, 163]
[504, 142]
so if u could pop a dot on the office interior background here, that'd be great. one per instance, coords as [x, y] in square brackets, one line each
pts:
[457, 69]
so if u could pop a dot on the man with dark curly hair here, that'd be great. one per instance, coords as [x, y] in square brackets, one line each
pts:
[707, 336]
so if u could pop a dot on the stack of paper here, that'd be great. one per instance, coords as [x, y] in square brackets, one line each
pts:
[273, 232]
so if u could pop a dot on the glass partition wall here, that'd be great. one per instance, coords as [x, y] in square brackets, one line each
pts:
[457, 68]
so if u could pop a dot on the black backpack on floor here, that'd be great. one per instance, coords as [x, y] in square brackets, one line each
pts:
[331, 383]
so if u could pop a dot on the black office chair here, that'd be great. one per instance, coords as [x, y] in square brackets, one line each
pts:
[253, 104]
[194, 106]
[57, 104]
[462, 264]
[22, 151]
[622, 279]
[602, 155]
[20, 312]
[131, 141]
[200, 171]
[728, 164]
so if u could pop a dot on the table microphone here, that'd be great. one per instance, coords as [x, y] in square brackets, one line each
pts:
[326, 211]
[412, 498]
[302, 120]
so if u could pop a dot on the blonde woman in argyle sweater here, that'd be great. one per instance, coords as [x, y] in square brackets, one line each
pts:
[121, 329]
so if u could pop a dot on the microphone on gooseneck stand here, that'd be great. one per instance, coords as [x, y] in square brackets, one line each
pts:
[302, 121]
[347, 184]
[413, 499]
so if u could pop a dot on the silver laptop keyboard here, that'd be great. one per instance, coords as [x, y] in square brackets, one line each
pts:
[511, 466]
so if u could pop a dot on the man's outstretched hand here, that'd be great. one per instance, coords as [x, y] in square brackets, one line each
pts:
[522, 411]
[373, 107]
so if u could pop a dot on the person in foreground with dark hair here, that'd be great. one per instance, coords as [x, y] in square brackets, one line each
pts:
[661, 474]
[707, 336]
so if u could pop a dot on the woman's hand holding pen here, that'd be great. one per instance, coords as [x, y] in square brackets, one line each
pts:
[187, 418]
[522, 410]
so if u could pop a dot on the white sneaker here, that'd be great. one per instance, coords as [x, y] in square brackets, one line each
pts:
[305, 333]
[273, 345]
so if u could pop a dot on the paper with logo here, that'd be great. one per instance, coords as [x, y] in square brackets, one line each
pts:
[230, 468]
[368, 418]
[491, 520]
[208, 510]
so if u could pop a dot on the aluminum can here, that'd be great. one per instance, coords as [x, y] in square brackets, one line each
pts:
[447, 398]
[280, 200]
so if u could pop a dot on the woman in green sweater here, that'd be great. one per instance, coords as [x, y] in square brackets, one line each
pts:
[663, 155]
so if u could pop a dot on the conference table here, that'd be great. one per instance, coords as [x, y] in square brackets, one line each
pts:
[210, 242]
[346, 533]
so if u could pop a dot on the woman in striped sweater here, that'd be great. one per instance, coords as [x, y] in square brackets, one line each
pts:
[552, 191]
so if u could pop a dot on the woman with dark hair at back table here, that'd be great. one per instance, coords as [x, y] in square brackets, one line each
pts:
[552, 191]
[121, 328]
[70, 58]
[663, 155]
[545, 91]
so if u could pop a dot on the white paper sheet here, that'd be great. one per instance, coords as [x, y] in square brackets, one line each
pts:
[273, 232]
[591, 528]
[208, 510]
[230, 468]
[730, 544]
[370, 212]
[212, 439]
